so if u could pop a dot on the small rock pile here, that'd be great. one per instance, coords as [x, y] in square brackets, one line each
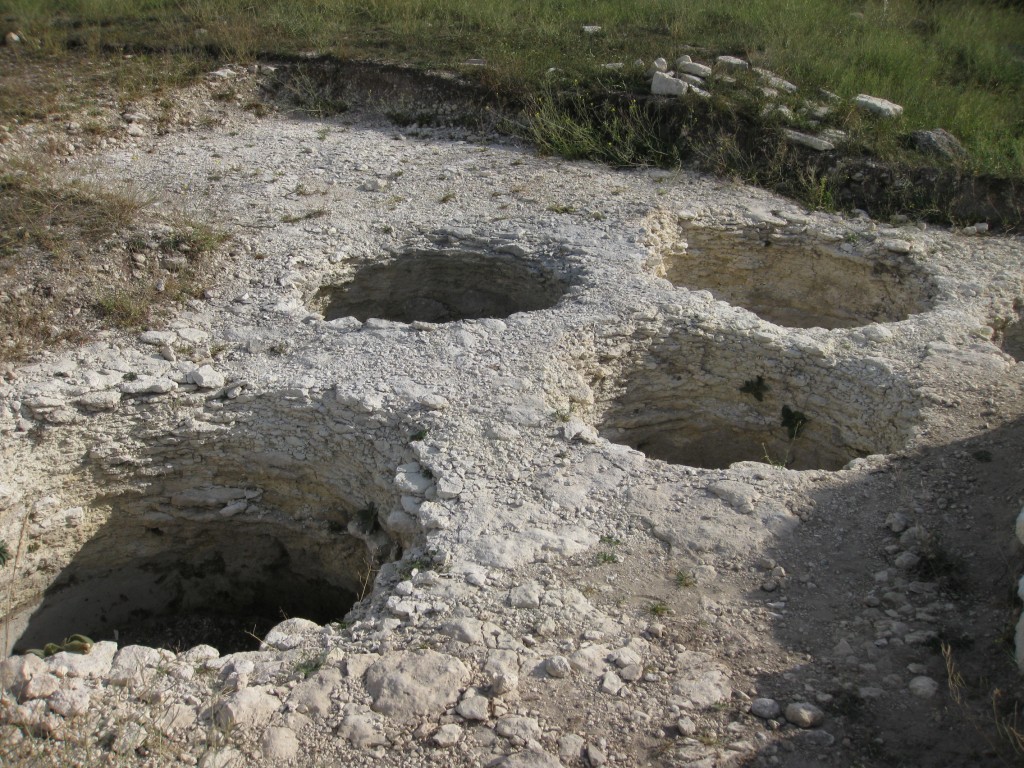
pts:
[688, 76]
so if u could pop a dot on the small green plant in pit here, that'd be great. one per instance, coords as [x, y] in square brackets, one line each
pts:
[420, 434]
[685, 579]
[659, 608]
[370, 570]
[309, 666]
[427, 472]
[369, 517]
[755, 387]
[793, 421]
[783, 461]
[5, 553]
[609, 541]
[73, 644]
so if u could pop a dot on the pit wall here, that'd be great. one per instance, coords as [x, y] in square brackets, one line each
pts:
[790, 278]
[272, 496]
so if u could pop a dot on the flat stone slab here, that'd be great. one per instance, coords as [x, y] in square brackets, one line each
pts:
[877, 106]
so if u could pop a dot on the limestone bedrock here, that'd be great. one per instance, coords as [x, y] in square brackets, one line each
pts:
[589, 376]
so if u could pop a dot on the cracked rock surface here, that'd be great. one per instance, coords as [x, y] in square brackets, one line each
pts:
[507, 438]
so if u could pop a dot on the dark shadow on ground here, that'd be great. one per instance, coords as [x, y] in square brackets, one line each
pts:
[885, 631]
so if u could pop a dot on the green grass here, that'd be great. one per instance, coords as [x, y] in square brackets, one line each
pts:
[685, 579]
[576, 125]
[125, 308]
[956, 64]
[56, 257]
[192, 237]
[659, 608]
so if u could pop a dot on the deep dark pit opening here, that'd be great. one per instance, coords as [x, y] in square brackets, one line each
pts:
[183, 584]
[441, 287]
[794, 281]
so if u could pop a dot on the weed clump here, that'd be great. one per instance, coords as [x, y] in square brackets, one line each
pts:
[685, 579]
[793, 421]
[939, 564]
[756, 388]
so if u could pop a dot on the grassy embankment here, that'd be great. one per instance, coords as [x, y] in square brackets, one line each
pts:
[957, 64]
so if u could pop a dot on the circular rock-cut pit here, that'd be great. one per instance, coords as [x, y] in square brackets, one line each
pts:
[218, 548]
[697, 401]
[791, 280]
[438, 286]
[1011, 338]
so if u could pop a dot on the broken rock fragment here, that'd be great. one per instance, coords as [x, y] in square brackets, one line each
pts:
[415, 683]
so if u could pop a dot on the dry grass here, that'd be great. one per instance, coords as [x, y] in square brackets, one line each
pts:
[76, 256]
[42, 213]
[50, 231]
[1002, 728]
[957, 65]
